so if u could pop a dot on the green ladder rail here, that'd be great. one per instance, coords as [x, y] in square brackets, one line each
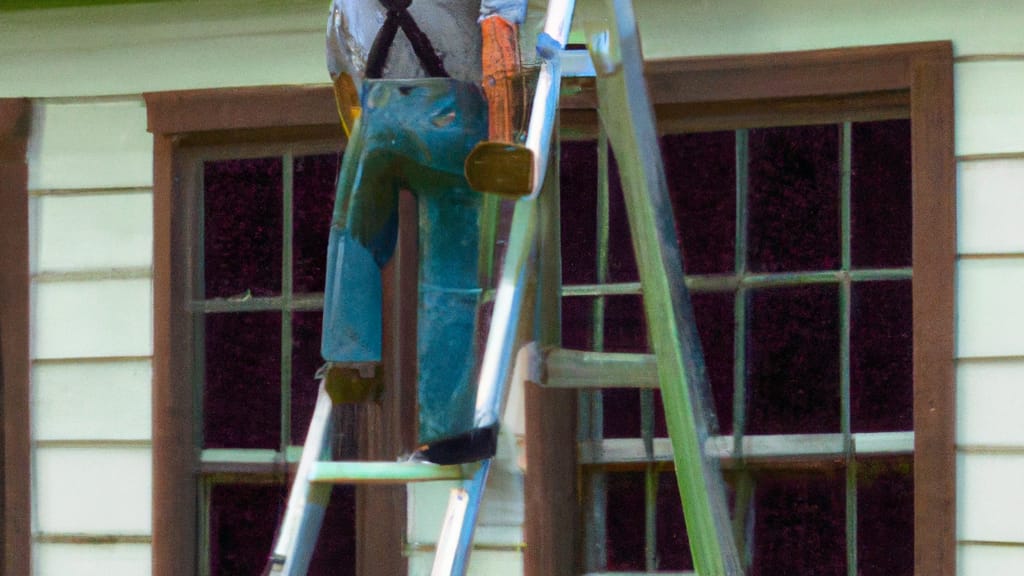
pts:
[627, 115]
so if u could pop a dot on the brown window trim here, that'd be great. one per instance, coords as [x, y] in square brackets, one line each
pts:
[690, 94]
[180, 122]
[15, 364]
[709, 93]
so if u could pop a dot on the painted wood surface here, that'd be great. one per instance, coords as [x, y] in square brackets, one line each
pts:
[98, 143]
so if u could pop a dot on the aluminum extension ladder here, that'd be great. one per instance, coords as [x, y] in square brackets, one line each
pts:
[627, 116]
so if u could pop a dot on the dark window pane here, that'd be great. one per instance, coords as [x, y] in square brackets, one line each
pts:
[880, 198]
[243, 227]
[335, 553]
[625, 328]
[621, 412]
[244, 518]
[624, 331]
[242, 396]
[625, 521]
[794, 199]
[306, 360]
[577, 323]
[881, 357]
[621, 257]
[800, 526]
[793, 361]
[673, 545]
[701, 173]
[885, 518]
[714, 316]
[313, 185]
[578, 181]
[716, 325]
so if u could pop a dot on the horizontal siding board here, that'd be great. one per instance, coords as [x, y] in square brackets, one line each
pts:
[60, 559]
[989, 115]
[990, 307]
[92, 319]
[90, 145]
[990, 207]
[92, 401]
[748, 26]
[115, 50]
[94, 490]
[501, 512]
[94, 231]
[489, 562]
[987, 560]
[990, 403]
[990, 487]
[288, 57]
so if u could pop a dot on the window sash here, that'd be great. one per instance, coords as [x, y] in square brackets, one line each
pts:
[822, 86]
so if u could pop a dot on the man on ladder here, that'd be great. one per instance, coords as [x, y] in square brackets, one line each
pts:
[407, 77]
[422, 112]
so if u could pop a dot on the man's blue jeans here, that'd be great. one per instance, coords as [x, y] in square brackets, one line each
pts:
[414, 135]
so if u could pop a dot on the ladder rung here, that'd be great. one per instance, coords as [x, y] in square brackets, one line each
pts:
[335, 472]
[765, 447]
[583, 369]
[640, 574]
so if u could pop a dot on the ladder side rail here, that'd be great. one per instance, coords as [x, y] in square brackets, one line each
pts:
[307, 502]
[553, 39]
[499, 350]
[626, 112]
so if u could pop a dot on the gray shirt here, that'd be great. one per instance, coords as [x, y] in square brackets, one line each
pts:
[451, 26]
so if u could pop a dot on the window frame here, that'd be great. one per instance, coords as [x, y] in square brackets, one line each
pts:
[182, 123]
[821, 86]
[15, 362]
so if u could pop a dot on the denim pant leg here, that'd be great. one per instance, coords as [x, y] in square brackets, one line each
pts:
[449, 294]
[362, 239]
[415, 135]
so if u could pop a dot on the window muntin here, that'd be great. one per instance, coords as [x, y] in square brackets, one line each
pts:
[263, 219]
[813, 338]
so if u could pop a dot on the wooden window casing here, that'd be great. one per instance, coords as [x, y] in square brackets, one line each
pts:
[185, 124]
[690, 94]
[15, 364]
[824, 86]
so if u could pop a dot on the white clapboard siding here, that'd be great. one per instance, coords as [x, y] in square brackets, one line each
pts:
[426, 503]
[990, 403]
[94, 231]
[989, 117]
[163, 46]
[749, 26]
[990, 310]
[60, 559]
[93, 318]
[989, 560]
[92, 400]
[93, 490]
[156, 46]
[482, 562]
[990, 488]
[429, 500]
[501, 514]
[90, 145]
[990, 207]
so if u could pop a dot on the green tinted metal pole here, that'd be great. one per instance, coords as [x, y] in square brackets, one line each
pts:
[627, 115]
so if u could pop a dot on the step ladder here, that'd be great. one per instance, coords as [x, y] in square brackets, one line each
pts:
[627, 116]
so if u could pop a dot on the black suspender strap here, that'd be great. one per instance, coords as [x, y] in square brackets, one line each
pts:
[398, 17]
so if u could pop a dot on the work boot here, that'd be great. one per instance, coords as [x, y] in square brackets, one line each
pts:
[479, 443]
[355, 382]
